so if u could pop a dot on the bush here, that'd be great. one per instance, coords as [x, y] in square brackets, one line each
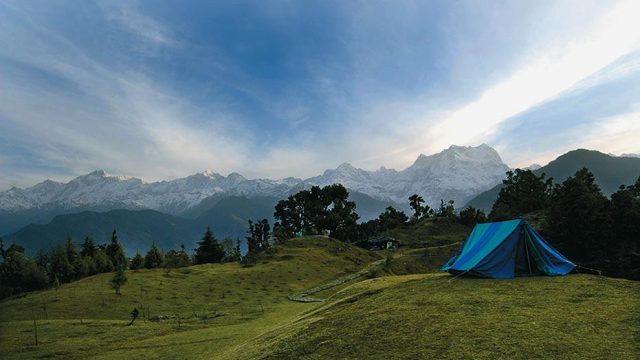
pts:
[176, 259]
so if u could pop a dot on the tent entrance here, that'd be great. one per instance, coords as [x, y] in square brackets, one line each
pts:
[525, 264]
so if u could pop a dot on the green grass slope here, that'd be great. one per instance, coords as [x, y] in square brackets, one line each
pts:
[205, 310]
[430, 232]
[425, 246]
[226, 311]
[431, 317]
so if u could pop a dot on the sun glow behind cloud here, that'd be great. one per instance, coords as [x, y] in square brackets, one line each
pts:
[547, 76]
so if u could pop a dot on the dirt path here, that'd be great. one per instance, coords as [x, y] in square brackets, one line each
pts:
[304, 296]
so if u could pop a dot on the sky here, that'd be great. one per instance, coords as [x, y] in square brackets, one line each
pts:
[164, 89]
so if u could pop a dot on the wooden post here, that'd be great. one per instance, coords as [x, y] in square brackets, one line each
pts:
[35, 326]
[44, 307]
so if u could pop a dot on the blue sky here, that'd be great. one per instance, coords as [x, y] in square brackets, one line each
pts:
[163, 89]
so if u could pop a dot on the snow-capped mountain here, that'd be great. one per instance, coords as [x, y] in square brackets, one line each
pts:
[630, 155]
[457, 173]
[99, 189]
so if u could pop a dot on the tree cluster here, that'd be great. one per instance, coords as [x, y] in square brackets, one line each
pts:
[580, 221]
[258, 236]
[523, 192]
[315, 211]
[64, 263]
[471, 216]
[594, 230]
[388, 220]
[420, 211]
[231, 250]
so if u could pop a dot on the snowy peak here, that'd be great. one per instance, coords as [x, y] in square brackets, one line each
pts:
[457, 173]
[234, 176]
[345, 167]
[482, 154]
[630, 155]
[100, 176]
[211, 174]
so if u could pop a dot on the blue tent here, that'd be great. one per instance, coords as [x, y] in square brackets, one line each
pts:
[506, 249]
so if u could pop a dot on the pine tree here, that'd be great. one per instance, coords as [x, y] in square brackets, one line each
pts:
[88, 247]
[154, 257]
[119, 279]
[137, 262]
[79, 268]
[3, 252]
[237, 254]
[265, 230]
[115, 252]
[252, 243]
[209, 250]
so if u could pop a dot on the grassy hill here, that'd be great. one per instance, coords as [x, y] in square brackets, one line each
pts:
[226, 311]
[219, 306]
[431, 317]
[425, 246]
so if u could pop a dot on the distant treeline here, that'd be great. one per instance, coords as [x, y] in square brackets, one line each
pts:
[589, 228]
[65, 263]
[315, 211]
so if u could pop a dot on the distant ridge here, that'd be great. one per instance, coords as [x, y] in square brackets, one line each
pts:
[610, 172]
[456, 173]
[138, 228]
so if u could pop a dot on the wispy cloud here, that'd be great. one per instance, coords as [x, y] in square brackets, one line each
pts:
[617, 134]
[547, 76]
[105, 119]
[614, 135]
[130, 19]
[391, 130]
[288, 90]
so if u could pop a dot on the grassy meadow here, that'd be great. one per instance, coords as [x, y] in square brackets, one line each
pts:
[428, 316]
[201, 310]
[400, 309]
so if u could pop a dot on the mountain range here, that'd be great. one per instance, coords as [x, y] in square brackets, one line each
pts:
[456, 173]
[177, 211]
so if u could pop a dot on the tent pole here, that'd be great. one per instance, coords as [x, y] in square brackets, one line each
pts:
[526, 249]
